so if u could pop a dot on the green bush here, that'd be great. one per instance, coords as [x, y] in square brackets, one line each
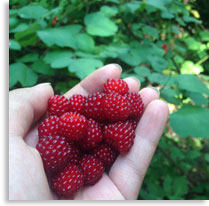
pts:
[164, 43]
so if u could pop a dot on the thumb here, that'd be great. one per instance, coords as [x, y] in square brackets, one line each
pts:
[26, 106]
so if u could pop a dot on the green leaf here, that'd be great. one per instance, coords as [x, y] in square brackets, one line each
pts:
[32, 12]
[170, 95]
[192, 43]
[191, 121]
[109, 11]
[84, 43]
[19, 72]
[191, 19]
[59, 58]
[188, 67]
[142, 71]
[151, 31]
[204, 36]
[32, 57]
[206, 157]
[28, 36]
[19, 28]
[83, 66]
[198, 98]
[98, 24]
[131, 57]
[130, 7]
[191, 83]
[61, 36]
[13, 21]
[158, 63]
[41, 67]
[14, 45]
[162, 79]
[156, 4]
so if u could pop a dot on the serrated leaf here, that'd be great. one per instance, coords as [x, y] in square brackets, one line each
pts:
[29, 58]
[204, 36]
[191, 121]
[32, 12]
[14, 45]
[151, 31]
[84, 43]
[98, 24]
[198, 98]
[142, 71]
[191, 83]
[60, 36]
[59, 58]
[19, 28]
[158, 63]
[19, 72]
[42, 68]
[170, 95]
[28, 36]
[83, 66]
[109, 10]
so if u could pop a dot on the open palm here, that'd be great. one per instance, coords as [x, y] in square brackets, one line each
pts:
[27, 179]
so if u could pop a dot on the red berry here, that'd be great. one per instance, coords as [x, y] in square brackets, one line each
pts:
[116, 107]
[58, 105]
[92, 169]
[93, 136]
[94, 107]
[69, 181]
[136, 104]
[75, 154]
[55, 153]
[105, 154]
[49, 127]
[73, 126]
[119, 135]
[76, 103]
[133, 123]
[116, 85]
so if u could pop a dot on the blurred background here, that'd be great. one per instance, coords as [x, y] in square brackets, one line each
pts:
[164, 43]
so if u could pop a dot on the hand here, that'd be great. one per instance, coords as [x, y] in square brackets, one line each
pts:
[27, 179]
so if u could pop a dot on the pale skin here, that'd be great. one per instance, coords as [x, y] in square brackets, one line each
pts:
[27, 179]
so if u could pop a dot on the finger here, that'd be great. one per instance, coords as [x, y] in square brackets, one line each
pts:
[133, 84]
[26, 106]
[95, 81]
[135, 163]
[103, 190]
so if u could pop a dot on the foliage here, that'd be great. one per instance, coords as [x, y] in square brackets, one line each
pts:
[163, 43]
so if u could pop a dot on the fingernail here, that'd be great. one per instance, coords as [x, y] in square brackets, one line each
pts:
[135, 78]
[154, 88]
[43, 84]
[119, 67]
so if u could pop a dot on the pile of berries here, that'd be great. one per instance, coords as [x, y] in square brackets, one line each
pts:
[82, 136]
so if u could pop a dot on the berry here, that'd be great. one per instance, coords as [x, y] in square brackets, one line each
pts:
[49, 127]
[55, 153]
[94, 107]
[73, 126]
[58, 105]
[133, 123]
[76, 103]
[69, 181]
[116, 107]
[92, 169]
[105, 154]
[93, 136]
[136, 104]
[116, 85]
[75, 154]
[119, 135]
